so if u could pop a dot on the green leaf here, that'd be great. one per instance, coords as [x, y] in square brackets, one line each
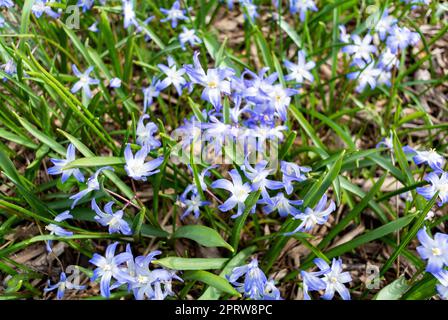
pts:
[177, 263]
[212, 280]
[394, 290]
[203, 235]
[95, 162]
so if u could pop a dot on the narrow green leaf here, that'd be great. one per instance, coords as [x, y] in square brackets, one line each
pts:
[203, 235]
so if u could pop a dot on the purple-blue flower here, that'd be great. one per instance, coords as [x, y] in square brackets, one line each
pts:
[174, 14]
[434, 250]
[384, 24]
[328, 278]
[145, 133]
[361, 50]
[62, 285]
[58, 230]
[115, 83]
[301, 7]
[84, 82]
[59, 165]
[215, 81]
[438, 184]
[254, 280]
[239, 192]
[301, 70]
[401, 38]
[150, 92]
[258, 177]
[292, 172]
[188, 35]
[129, 14]
[9, 68]
[113, 220]
[432, 158]
[173, 76]
[85, 4]
[110, 267]
[41, 6]
[92, 185]
[283, 205]
[6, 3]
[367, 76]
[136, 167]
[311, 217]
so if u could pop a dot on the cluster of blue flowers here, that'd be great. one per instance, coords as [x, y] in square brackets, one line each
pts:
[258, 105]
[256, 286]
[377, 53]
[123, 270]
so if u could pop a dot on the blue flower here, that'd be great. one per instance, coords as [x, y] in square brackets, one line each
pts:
[292, 172]
[283, 205]
[136, 167]
[193, 204]
[62, 285]
[312, 282]
[401, 38]
[301, 70]
[331, 279]
[434, 250]
[150, 92]
[58, 230]
[334, 280]
[129, 14]
[439, 184]
[254, 280]
[115, 83]
[145, 133]
[59, 164]
[6, 3]
[2, 22]
[173, 76]
[84, 81]
[110, 266]
[85, 4]
[251, 9]
[92, 185]
[386, 142]
[442, 286]
[384, 24]
[159, 284]
[431, 158]
[9, 68]
[219, 133]
[93, 27]
[388, 60]
[369, 75]
[281, 99]
[113, 220]
[361, 49]
[41, 6]
[258, 176]
[188, 35]
[271, 292]
[239, 192]
[174, 14]
[214, 81]
[344, 37]
[301, 7]
[319, 215]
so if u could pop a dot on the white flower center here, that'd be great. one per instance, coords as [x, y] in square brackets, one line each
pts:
[436, 252]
